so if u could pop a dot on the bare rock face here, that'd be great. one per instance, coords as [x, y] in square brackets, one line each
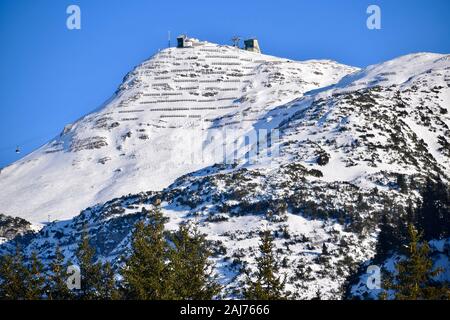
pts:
[11, 227]
[88, 144]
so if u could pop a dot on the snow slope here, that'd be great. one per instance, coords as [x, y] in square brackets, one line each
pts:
[389, 117]
[344, 137]
[149, 132]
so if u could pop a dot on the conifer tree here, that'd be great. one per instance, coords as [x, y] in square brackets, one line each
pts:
[433, 214]
[401, 182]
[387, 241]
[325, 249]
[191, 273]
[414, 280]
[57, 283]
[13, 274]
[267, 285]
[411, 213]
[35, 279]
[90, 271]
[146, 273]
[108, 289]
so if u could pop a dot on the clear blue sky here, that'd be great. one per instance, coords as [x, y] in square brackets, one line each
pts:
[51, 76]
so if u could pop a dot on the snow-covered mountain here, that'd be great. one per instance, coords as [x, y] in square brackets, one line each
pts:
[343, 136]
[142, 138]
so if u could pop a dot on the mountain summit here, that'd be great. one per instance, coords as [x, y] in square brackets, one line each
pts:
[141, 138]
[320, 154]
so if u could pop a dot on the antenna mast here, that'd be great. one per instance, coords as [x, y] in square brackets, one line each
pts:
[236, 40]
[168, 38]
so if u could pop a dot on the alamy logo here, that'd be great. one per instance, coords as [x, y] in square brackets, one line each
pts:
[374, 20]
[225, 146]
[374, 278]
[74, 280]
[73, 21]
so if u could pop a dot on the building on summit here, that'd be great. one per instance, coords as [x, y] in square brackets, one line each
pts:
[252, 45]
[183, 41]
[249, 45]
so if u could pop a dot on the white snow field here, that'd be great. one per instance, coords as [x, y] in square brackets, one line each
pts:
[340, 139]
[142, 138]
[176, 112]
